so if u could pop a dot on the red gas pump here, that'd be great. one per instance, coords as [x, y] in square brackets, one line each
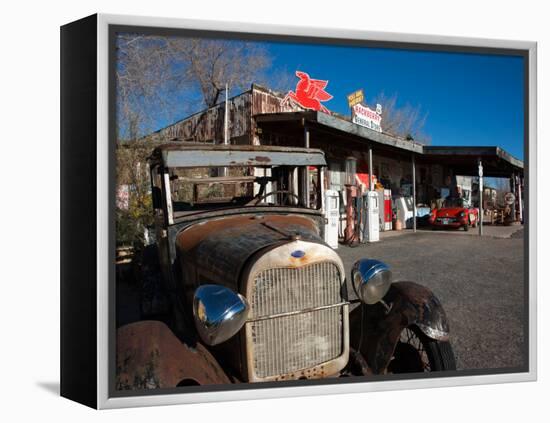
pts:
[351, 195]
[387, 210]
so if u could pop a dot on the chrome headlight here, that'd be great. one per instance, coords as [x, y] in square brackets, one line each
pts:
[371, 280]
[219, 313]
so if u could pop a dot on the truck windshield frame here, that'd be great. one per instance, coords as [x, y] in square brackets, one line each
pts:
[216, 188]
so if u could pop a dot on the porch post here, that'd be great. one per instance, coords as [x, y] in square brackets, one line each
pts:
[480, 211]
[514, 191]
[371, 183]
[520, 205]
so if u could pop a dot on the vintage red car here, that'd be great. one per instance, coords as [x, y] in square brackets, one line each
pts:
[454, 214]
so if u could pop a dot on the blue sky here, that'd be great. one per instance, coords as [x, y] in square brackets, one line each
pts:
[470, 99]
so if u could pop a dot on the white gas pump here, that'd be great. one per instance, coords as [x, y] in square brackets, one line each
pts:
[373, 211]
[332, 214]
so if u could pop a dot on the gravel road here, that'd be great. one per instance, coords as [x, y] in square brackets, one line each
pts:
[479, 280]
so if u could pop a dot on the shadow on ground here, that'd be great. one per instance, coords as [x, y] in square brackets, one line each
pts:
[51, 387]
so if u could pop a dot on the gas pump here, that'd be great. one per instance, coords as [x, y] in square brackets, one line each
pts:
[351, 195]
[372, 227]
[332, 215]
[350, 235]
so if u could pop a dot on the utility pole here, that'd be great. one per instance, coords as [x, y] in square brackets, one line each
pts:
[306, 170]
[226, 117]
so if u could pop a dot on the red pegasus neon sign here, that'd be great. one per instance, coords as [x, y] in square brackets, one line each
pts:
[309, 93]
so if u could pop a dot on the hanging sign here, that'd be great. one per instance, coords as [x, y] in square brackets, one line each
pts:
[309, 93]
[364, 116]
[356, 98]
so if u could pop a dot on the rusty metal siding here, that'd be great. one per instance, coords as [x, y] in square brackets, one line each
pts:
[267, 101]
[208, 126]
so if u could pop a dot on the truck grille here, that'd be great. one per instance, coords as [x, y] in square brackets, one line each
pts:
[295, 342]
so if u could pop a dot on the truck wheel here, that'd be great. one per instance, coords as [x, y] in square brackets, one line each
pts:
[188, 382]
[415, 352]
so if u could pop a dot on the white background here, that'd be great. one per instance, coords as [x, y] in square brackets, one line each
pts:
[29, 285]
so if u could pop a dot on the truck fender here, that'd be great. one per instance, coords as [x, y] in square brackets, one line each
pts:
[409, 304]
[149, 355]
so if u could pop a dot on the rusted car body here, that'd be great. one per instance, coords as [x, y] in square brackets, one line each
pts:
[255, 293]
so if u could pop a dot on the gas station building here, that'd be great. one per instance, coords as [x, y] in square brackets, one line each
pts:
[403, 168]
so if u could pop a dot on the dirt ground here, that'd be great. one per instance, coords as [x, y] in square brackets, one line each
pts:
[479, 280]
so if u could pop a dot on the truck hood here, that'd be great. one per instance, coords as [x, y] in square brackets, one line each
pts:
[218, 249]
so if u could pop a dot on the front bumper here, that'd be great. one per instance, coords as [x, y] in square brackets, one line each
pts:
[449, 222]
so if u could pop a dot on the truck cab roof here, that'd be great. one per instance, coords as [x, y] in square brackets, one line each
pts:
[183, 154]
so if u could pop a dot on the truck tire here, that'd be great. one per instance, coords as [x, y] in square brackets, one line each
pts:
[415, 352]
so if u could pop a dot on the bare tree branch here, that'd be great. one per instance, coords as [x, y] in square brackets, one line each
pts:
[165, 78]
[405, 121]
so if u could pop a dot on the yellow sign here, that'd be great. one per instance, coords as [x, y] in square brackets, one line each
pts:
[356, 98]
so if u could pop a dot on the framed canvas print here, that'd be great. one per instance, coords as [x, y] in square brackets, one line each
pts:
[254, 211]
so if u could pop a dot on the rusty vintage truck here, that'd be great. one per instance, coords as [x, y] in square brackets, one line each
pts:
[254, 293]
